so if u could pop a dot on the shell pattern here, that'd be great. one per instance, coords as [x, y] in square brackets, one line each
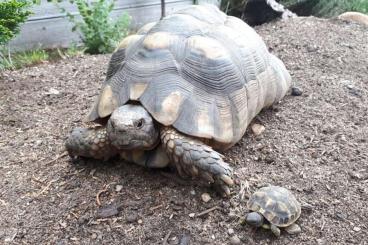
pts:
[203, 72]
[276, 204]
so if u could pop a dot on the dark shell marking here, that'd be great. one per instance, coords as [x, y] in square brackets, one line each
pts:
[278, 205]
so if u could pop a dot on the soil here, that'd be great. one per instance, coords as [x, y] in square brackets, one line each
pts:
[314, 144]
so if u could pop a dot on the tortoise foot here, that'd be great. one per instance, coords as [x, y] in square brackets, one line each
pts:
[194, 158]
[89, 142]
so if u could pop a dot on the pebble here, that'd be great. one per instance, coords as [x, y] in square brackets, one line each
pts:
[295, 91]
[107, 211]
[356, 228]
[206, 197]
[185, 239]
[118, 188]
[53, 91]
[130, 218]
[140, 221]
[230, 231]
[257, 129]
[321, 241]
[192, 192]
[234, 240]
[192, 215]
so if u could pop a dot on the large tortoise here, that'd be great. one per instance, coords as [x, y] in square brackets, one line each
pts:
[179, 90]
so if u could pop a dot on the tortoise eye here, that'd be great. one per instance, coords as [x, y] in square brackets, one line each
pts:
[139, 123]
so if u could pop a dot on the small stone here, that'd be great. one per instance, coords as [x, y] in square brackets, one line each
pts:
[118, 188]
[52, 91]
[206, 197]
[230, 231]
[132, 217]
[192, 215]
[192, 192]
[356, 228]
[321, 241]
[257, 129]
[234, 240]
[295, 91]
[140, 221]
[94, 236]
[63, 224]
[185, 239]
[107, 211]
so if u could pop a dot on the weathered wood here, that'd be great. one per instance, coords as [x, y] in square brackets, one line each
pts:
[49, 28]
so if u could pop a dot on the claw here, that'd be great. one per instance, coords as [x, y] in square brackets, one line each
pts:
[224, 190]
[194, 171]
[227, 179]
[207, 177]
[180, 170]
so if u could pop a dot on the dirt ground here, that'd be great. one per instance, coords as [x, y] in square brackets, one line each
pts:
[315, 145]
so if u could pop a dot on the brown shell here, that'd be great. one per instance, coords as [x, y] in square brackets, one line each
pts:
[278, 205]
[204, 73]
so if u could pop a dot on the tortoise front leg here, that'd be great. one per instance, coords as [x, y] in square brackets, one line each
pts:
[194, 158]
[91, 143]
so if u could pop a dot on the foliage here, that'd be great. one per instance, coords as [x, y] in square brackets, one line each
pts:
[321, 8]
[12, 14]
[22, 59]
[100, 34]
[329, 8]
[33, 57]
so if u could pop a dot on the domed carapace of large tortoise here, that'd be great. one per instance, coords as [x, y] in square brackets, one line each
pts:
[181, 89]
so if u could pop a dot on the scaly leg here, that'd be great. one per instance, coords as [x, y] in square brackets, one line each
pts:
[194, 158]
[91, 143]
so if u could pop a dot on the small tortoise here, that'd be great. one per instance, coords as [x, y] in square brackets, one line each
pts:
[278, 206]
[179, 90]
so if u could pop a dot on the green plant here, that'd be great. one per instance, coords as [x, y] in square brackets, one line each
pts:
[22, 59]
[12, 14]
[330, 8]
[99, 33]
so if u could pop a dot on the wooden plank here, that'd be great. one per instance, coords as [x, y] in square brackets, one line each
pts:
[56, 32]
[50, 10]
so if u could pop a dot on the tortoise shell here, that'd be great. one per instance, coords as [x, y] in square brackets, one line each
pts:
[203, 72]
[278, 205]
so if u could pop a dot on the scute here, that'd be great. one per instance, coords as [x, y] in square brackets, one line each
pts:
[198, 70]
[276, 204]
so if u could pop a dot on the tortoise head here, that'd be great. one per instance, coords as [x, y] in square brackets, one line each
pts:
[132, 127]
[254, 219]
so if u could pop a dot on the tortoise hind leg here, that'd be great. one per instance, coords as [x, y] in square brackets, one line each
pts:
[90, 142]
[194, 158]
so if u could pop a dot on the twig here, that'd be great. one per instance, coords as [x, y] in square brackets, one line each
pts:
[105, 189]
[98, 195]
[166, 238]
[57, 158]
[46, 187]
[155, 207]
[207, 211]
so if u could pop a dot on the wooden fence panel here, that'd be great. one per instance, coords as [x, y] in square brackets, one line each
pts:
[49, 28]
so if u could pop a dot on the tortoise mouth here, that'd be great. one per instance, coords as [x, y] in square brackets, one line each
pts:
[134, 144]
